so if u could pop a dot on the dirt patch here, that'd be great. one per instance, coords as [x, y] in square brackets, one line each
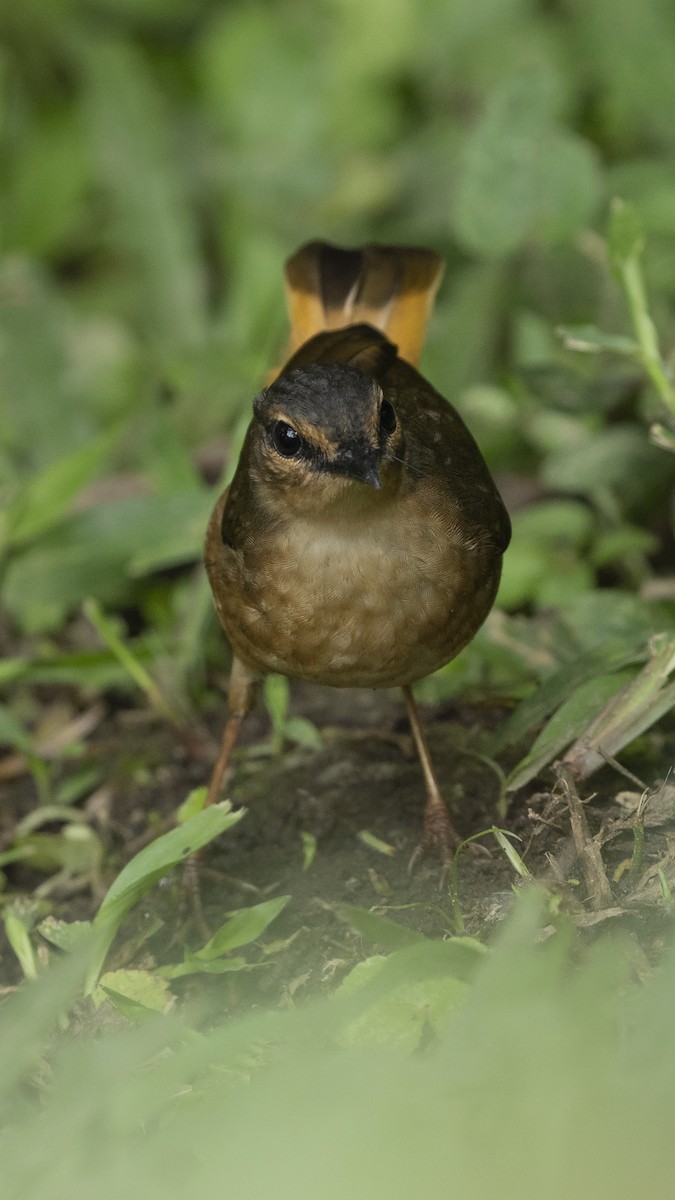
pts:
[365, 779]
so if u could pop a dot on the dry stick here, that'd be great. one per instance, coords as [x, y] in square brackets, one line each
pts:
[592, 866]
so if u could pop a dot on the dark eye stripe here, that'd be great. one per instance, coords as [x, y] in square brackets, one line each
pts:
[387, 417]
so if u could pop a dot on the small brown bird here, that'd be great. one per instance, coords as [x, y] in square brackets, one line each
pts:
[360, 542]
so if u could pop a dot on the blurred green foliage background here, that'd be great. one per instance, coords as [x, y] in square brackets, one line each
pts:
[161, 159]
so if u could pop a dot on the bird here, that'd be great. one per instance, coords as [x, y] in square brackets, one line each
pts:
[360, 541]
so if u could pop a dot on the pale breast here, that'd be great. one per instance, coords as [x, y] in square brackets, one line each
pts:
[384, 606]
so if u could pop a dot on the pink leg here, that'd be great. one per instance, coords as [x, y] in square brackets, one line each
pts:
[439, 832]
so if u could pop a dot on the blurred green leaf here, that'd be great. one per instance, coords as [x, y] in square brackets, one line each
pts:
[309, 845]
[605, 614]
[43, 415]
[618, 458]
[132, 137]
[379, 930]
[65, 935]
[277, 693]
[521, 176]
[51, 162]
[302, 731]
[136, 994]
[75, 851]
[566, 724]
[562, 683]
[588, 338]
[95, 552]
[643, 700]
[566, 522]
[543, 564]
[47, 496]
[410, 1011]
[12, 732]
[616, 545]
[18, 936]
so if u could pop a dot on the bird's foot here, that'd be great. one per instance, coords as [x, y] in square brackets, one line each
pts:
[442, 838]
[191, 908]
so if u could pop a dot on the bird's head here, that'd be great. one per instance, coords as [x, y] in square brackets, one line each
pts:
[323, 434]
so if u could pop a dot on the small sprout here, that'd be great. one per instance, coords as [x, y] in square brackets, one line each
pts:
[18, 936]
[376, 843]
[502, 837]
[308, 849]
[380, 885]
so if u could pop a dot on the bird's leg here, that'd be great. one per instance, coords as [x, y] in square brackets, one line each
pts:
[240, 699]
[227, 744]
[241, 695]
[439, 832]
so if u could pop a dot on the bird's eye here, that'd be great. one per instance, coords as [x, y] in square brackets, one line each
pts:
[387, 417]
[286, 439]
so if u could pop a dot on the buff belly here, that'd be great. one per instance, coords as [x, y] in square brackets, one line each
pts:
[377, 617]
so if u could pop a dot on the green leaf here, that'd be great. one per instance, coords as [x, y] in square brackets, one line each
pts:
[567, 724]
[47, 497]
[192, 805]
[243, 926]
[565, 522]
[567, 187]
[65, 935]
[18, 936]
[644, 699]
[92, 553]
[308, 849]
[603, 615]
[107, 631]
[13, 668]
[588, 339]
[375, 843]
[192, 965]
[137, 166]
[619, 458]
[76, 850]
[619, 544]
[12, 732]
[97, 670]
[303, 732]
[503, 840]
[521, 176]
[50, 160]
[403, 1017]
[177, 542]
[136, 994]
[277, 695]
[150, 865]
[387, 934]
[493, 206]
[557, 688]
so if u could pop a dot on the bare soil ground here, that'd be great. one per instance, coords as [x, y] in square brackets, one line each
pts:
[364, 779]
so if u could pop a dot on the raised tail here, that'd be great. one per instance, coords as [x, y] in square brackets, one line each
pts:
[391, 288]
